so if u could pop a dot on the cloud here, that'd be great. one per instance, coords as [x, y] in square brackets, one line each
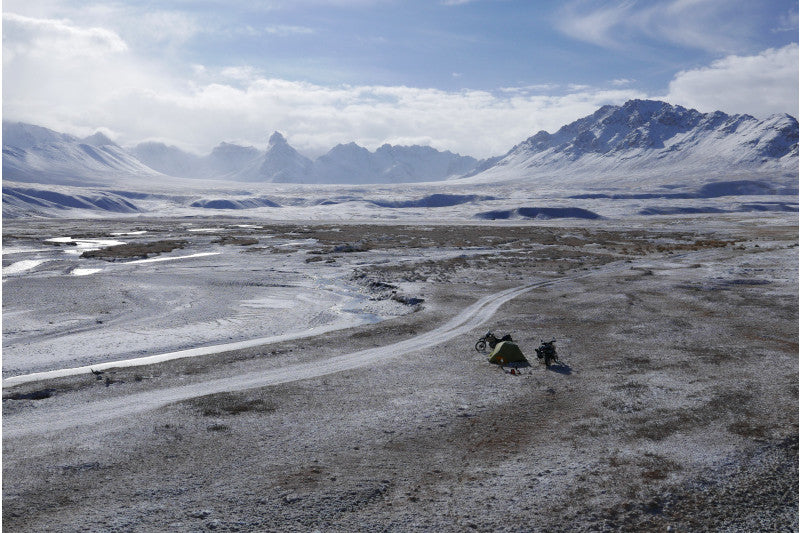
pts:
[621, 82]
[78, 94]
[56, 38]
[284, 30]
[596, 26]
[242, 74]
[165, 27]
[315, 118]
[77, 79]
[527, 89]
[57, 71]
[787, 22]
[710, 25]
[759, 85]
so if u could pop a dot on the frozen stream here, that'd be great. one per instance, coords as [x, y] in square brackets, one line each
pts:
[62, 312]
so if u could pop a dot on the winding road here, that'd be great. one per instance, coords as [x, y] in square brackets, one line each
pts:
[51, 417]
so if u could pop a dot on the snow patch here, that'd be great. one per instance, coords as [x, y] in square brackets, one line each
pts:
[85, 271]
[22, 266]
[161, 259]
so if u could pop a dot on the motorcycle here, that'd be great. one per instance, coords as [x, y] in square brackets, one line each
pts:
[491, 341]
[547, 352]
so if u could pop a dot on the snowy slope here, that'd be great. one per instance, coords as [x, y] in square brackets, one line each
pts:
[652, 137]
[224, 160]
[35, 154]
[169, 160]
[279, 164]
[400, 164]
[24, 136]
[354, 164]
[644, 157]
[346, 163]
[228, 159]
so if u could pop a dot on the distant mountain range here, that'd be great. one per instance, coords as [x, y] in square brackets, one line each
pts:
[641, 135]
[36, 154]
[281, 163]
[647, 136]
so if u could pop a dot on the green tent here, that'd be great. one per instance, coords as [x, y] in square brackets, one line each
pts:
[505, 353]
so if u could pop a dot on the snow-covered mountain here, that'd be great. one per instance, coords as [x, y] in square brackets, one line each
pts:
[350, 163]
[652, 136]
[405, 163]
[281, 163]
[346, 162]
[40, 155]
[225, 159]
[168, 160]
[641, 136]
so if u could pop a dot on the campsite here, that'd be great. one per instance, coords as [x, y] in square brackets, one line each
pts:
[677, 384]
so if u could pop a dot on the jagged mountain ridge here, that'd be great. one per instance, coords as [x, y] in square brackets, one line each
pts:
[640, 136]
[33, 153]
[647, 135]
[344, 163]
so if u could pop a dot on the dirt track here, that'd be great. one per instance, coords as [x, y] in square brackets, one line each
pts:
[676, 407]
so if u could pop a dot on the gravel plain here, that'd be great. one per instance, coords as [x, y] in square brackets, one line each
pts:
[675, 407]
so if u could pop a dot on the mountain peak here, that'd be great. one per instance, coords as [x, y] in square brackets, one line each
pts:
[99, 139]
[23, 135]
[276, 138]
[641, 134]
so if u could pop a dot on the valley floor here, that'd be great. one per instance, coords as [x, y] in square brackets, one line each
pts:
[675, 406]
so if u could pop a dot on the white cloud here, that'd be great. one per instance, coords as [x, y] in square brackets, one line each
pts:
[244, 73]
[759, 85]
[712, 25]
[315, 118]
[526, 89]
[621, 82]
[284, 30]
[77, 79]
[56, 38]
[64, 75]
[578, 87]
[160, 27]
[596, 26]
[787, 22]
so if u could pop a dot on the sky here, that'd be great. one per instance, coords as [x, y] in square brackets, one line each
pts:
[474, 77]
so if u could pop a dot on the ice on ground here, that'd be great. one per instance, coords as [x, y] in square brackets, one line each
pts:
[83, 245]
[11, 250]
[86, 242]
[271, 303]
[161, 259]
[93, 312]
[85, 271]
[22, 266]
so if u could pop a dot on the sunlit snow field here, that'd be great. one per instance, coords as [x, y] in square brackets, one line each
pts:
[61, 310]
